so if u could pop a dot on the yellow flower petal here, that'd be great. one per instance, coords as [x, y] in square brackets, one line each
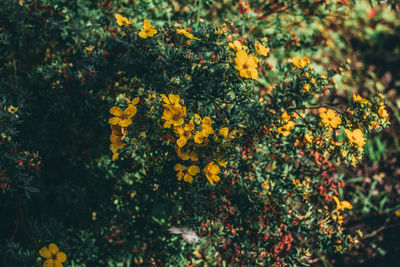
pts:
[116, 111]
[346, 205]
[262, 50]
[181, 142]
[193, 170]
[45, 253]
[188, 178]
[135, 101]
[142, 34]
[174, 99]
[130, 111]
[125, 123]
[114, 120]
[61, 257]
[224, 131]
[179, 167]
[49, 263]
[337, 201]
[180, 175]
[53, 248]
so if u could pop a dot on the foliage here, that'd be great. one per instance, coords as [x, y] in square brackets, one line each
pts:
[143, 134]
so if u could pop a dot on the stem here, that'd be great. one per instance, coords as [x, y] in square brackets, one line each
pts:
[198, 14]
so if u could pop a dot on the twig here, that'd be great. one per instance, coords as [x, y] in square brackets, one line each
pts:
[217, 108]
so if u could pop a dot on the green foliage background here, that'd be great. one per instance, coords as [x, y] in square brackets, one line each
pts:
[105, 214]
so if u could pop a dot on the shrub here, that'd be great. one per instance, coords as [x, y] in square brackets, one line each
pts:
[221, 150]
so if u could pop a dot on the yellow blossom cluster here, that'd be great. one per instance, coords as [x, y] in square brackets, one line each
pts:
[191, 137]
[186, 173]
[122, 119]
[121, 20]
[147, 30]
[237, 46]
[329, 119]
[382, 112]
[340, 206]
[358, 99]
[308, 137]
[356, 138]
[288, 124]
[261, 50]
[300, 62]
[246, 63]
[306, 87]
[174, 113]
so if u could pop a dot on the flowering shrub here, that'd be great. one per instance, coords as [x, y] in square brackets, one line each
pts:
[183, 144]
[258, 165]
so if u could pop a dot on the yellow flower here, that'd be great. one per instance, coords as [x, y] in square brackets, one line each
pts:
[237, 45]
[262, 50]
[218, 31]
[114, 147]
[134, 101]
[221, 162]
[206, 128]
[123, 20]
[397, 213]
[300, 62]
[186, 173]
[223, 132]
[285, 129]
[211, 171]
[197, 119]
[358, 99]
[147, 30]
[171, 101]
[306, 87]
[340, 205]
[265, 185]
[329, 119]
[122, 118]
[12, 109]
[117, 134]
[285, 117]
[184, 133]
[89, 48]
[382, 112]
[198, 137]
[188, 35]
[308, 137]
[186, 154]
[355, 137]
[174, 116]
[246, 65]
[54, 257]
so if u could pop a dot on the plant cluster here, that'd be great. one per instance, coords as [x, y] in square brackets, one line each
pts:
[175, 143]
